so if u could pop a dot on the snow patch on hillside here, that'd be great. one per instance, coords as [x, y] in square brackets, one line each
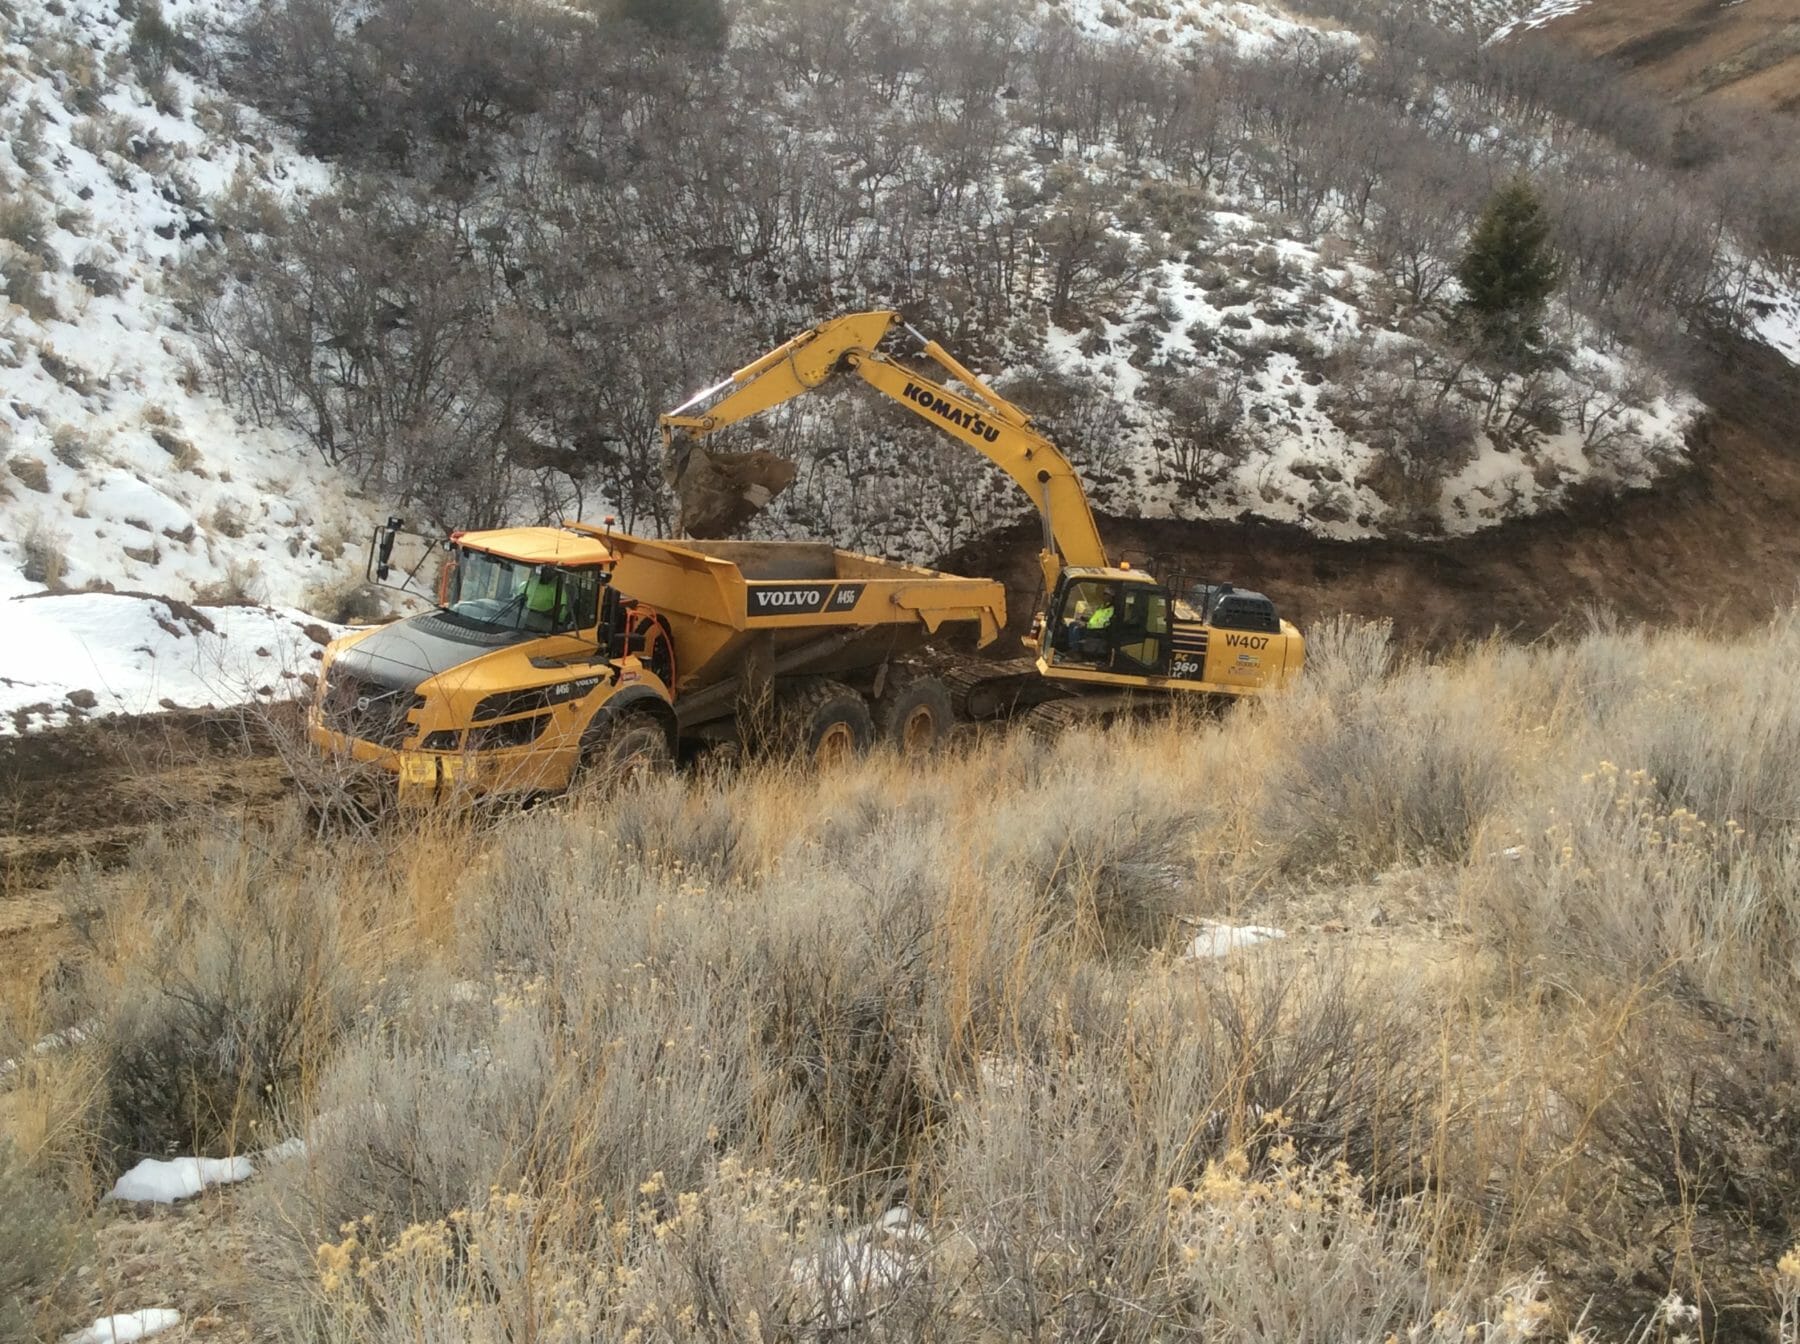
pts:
[1775, 315]
[154, 1181]
[126, 1327]
[73, 656]
[1539, 15]
[1179, 26]
[117, 467]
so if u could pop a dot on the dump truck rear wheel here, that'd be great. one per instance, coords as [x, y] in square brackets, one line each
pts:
[913, 713]
[625, 750]
[825, 723]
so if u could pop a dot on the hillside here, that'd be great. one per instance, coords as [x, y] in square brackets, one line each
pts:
[1717, 545]
[121, 469]
[1222, 335]
[1747, 53]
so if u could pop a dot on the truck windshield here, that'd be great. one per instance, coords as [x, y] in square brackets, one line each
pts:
[515, 595]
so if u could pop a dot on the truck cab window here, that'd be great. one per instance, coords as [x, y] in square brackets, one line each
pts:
[508, 594]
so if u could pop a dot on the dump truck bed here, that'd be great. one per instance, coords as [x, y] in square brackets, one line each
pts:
[789, 608]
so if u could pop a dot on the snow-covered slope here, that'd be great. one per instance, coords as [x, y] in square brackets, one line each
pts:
[1178, 26]
[1776, 310]
[118, 468]
[68, 656]
[1539, 14]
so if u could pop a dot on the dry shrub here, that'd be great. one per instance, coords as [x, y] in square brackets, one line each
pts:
[744, 1254]
[54, 1088]
[42, 1244]
[1333, 1265]
[240, 585]
[1105, 854]
[44, 552]
[24, 224]
[1400, 769]
[1650, 905]
[1740, 759]
[1347, 1062]
[627, 1021]
[22, 281]
[222, 980]
[345, 600]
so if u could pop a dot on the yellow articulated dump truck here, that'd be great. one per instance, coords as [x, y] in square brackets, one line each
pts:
[555, 652]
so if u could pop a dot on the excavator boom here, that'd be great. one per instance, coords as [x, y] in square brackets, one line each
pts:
[979, 417]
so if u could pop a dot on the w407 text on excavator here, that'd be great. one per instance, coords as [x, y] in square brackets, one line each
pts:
[1105, 636]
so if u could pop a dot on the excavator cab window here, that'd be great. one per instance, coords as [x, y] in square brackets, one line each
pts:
[1084, 626]
[1141, 642]
[1114, 627]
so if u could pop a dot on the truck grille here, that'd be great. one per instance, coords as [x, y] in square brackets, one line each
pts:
[368, 710]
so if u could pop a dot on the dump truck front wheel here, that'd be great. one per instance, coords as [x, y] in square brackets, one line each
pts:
[825, 723]
[623, 749]
[913, 713]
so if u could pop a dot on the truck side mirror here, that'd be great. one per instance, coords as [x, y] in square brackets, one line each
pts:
[384, 550]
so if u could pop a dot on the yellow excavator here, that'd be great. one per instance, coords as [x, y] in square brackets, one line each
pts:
[1105, 634]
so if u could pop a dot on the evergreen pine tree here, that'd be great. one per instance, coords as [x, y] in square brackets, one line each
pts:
[700, 23]
[1509, 272]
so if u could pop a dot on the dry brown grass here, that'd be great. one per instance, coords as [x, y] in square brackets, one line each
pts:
[657, 1062]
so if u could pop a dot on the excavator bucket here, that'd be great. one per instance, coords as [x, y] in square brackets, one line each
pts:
[720, 492]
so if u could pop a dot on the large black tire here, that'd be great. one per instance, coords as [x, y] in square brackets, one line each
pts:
[823, 722]
[913, 713]
[624, 749]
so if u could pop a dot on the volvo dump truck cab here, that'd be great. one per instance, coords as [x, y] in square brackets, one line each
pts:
[555, 651]
[1103, 632]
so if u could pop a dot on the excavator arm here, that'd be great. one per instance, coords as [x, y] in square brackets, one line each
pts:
[979, 417]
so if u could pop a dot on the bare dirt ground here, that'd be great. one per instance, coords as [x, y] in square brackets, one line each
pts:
[75, 801]
[1744, 51]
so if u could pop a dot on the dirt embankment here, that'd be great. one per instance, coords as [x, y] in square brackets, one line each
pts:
[1744, 51]
[86, 794]
[1717, 545]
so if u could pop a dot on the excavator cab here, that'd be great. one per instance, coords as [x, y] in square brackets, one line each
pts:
[1109, 621]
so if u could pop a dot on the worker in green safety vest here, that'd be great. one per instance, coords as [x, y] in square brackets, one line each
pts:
[545, 607]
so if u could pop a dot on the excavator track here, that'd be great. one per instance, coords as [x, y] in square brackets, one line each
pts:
[1055, 717]
[982, 689]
